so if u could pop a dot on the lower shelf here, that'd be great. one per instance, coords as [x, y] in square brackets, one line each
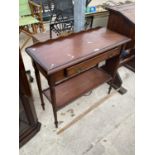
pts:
[77, 86]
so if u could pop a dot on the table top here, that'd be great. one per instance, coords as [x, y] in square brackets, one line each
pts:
[127, 10]
[56, 54]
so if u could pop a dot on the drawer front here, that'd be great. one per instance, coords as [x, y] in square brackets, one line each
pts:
[58, 76]
[91, 62]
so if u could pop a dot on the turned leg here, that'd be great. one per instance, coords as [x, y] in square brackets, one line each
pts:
[53, 99]
[39, 85]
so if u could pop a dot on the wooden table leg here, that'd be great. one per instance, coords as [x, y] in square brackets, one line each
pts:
[117, 81]
[53, 99]
[39, 85]
[117, 84]
[112, 64]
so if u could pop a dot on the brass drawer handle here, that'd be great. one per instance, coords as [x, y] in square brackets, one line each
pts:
[79, 70]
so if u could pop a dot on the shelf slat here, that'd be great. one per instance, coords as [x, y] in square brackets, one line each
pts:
[127, 60]
[77, 86]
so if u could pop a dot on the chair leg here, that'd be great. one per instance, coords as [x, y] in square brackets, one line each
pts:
[34, 28]
[41, 27]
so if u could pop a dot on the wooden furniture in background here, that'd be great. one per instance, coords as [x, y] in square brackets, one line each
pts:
[36, 11]
[30, 14]
[122, 20]
[102, 14]
[47, 8]
[70, 64]
[30, 19]
[28, 122]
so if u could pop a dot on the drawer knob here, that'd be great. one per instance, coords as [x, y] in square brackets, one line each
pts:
[79, 70]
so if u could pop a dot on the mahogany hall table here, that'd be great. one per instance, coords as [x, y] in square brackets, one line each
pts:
[70, 64]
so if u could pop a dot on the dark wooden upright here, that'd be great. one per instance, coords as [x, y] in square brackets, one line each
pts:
[122, 20]
[28, 122]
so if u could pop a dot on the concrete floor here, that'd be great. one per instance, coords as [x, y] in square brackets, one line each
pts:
[106, 130]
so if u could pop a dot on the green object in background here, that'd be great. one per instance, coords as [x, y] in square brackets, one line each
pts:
[27, 20]
[24, 8]
[25, 15]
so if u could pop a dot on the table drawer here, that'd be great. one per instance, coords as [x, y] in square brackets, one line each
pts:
[91, 62]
